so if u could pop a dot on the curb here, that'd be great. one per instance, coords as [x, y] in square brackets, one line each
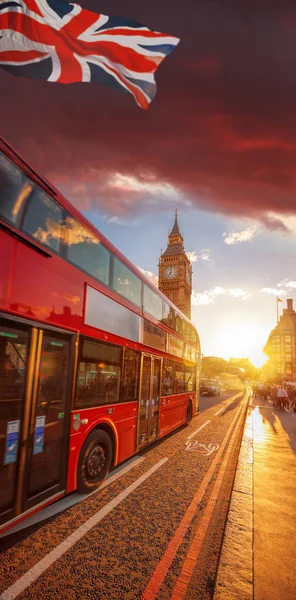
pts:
[235, 579]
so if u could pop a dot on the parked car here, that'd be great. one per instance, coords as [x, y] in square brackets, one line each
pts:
[209, 387]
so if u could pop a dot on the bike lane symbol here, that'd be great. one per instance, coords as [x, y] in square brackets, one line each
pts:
[204, 449]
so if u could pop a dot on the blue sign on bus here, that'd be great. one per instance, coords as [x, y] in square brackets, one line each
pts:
[12, 438]
[39, 435]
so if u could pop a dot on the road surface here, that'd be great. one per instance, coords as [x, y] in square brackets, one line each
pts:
[153, 531]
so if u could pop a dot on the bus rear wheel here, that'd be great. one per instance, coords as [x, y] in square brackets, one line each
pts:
[94, 461]
[189, 413]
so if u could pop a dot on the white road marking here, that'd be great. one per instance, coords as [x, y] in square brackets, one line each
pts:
[71, 500]
[193, 434]
[195, 446]
[217, 413]
[26, 580]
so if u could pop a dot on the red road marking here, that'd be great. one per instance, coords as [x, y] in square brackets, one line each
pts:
[180, 589]
[164, 564]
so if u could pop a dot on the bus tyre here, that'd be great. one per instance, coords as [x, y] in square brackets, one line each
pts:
[189, 413]
[94, 461]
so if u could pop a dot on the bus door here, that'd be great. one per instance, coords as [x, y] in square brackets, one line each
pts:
[149, 403]
[35, 393]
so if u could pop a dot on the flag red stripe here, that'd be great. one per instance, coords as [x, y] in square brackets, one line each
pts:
[138, 94]
[20, 57]
[128, 57]
[33, 6]
[34, 31]
[71, 71]
[80, 23]
[132, 32]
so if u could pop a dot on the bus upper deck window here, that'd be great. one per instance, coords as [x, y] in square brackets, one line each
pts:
[14, 190]
[44, 220]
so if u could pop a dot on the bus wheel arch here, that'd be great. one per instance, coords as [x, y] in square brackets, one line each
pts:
[189, 411]
[95, 459]
[110, 431]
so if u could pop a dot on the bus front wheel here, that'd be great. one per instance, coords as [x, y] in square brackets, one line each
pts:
[94, 461]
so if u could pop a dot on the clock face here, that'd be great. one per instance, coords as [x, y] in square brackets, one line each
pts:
[188, 275]
[170, 272]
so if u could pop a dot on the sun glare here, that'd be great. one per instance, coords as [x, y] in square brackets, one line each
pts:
[241, 340]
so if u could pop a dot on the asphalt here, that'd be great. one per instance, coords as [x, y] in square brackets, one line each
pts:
[134, 538]
[258, 557]
[118, 558]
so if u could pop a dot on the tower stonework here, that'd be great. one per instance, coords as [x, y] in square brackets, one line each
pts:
[175, 271]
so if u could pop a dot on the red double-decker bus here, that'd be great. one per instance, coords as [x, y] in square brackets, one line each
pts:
[95, 362]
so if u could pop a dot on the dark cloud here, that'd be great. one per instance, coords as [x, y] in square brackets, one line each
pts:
[274, 224]
[222, 128]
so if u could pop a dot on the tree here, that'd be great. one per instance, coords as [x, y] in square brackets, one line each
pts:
[212, 366]
[249, 370]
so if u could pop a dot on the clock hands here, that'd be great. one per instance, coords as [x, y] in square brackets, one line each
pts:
[171, 272]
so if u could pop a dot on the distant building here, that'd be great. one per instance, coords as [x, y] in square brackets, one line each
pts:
[281, 345]
[175, 271]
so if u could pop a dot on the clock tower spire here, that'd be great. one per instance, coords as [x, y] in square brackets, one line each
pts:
[175, 271]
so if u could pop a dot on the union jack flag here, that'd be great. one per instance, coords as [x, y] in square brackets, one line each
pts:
[63, 42]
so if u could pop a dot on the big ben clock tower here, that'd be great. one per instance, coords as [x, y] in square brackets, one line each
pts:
[175, 271]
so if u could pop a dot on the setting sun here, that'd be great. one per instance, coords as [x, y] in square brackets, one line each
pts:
[241, 340]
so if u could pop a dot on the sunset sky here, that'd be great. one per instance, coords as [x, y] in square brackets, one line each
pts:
[218, 142]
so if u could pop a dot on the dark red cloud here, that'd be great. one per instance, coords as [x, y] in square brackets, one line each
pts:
[206, 63]
[222, 128]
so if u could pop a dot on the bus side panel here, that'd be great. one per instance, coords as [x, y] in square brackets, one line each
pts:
[123, 423]
[127, 441]
[42, 288]
[7, 245]
[173, 412]
[168, 415]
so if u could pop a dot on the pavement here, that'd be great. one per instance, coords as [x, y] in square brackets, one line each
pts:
[258, 557]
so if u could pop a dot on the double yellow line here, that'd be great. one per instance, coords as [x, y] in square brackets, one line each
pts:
[189, 564]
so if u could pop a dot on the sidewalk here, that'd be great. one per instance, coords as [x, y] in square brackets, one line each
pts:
[258, 559]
